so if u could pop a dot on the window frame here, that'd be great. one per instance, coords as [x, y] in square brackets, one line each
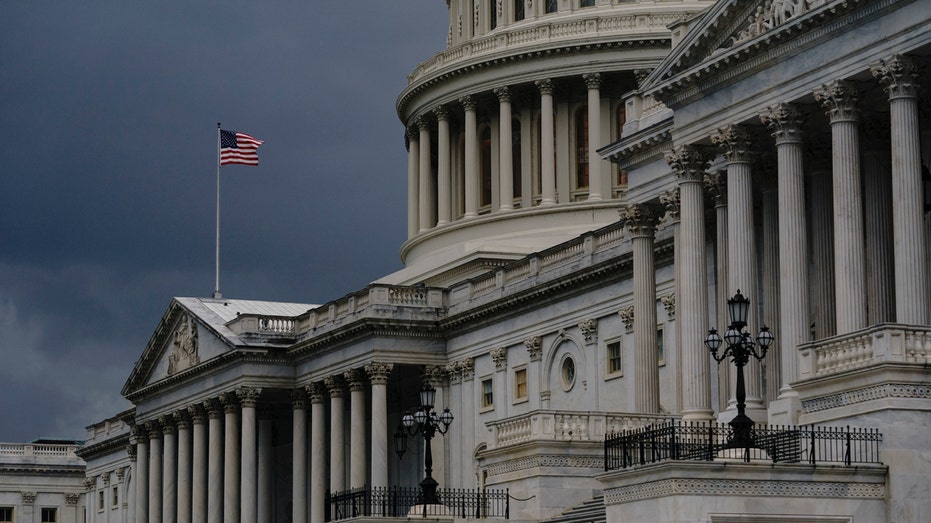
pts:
[52, 511]
[660, 345]
[6, 514]
[115, 497]
[611, 372]
[486, 394]
[518, 398]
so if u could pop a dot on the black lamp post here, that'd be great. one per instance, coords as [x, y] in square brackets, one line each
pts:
[427, 422]
[740, 346]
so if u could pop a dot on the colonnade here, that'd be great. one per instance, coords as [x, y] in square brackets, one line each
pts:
[212, 461]
[853, 240]
[459, 184]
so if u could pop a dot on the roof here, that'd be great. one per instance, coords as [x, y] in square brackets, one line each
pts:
[227, 310]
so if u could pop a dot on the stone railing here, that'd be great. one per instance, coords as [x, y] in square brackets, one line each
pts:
[353, 305]
[880, 344]
[262, 324]
[554, 30]
[37, 452]
[549, 425]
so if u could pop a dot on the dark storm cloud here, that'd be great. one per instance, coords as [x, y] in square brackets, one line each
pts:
[107, 197]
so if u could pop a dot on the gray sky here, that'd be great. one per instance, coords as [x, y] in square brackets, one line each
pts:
[108, 114]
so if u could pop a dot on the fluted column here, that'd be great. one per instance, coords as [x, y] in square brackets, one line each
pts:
[231, 457]
[505, 150]
[378, 373]
[215, 479]
[265, 481]
[822, 244]
[840, 100]
[182, 421]
[640, 220]
[877, 212]
[355, 378]
[734, 141]
[155, 471]
[427, 202]
[443, 180]
[199, 464]
[547, 153]
[141, 473]
[595, 179]
[716, 184]
[169, 469]
[248, 397]
[899, 77]
[471, 156]
[413, 182]
[299, 456]
[337, 390]
[318, 453]
[689, 164]
[784, 121]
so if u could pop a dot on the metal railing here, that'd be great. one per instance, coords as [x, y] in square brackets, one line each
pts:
[698, 441]
[403, 502]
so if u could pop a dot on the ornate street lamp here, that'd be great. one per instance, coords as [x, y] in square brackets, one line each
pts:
[425, 421]
[740, 346]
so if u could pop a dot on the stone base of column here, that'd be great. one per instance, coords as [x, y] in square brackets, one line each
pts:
[698, 414]
[785, 409]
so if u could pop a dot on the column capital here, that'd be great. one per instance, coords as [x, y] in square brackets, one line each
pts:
[716, 185]
[435, 375]
[422, 123]
[181, 419]
[378, 372]
[167, 423]
[316, 392]
[688, 162]
[214, 408]
[30, 497]
[499, 355]
[248, 396]
[545, 86]
[669, 303]
[898, 75]
[503, 93]
[840, 100]
[441, 113]
[672, 203]
[355, 378]
[335, 386]
[592, 80]
[734, 141]
[468, 102]
[230, 402]
[298, 399]
[154, 429]
[138, 433]
[411, 134]
[466, 368]
[534, 346]
[71, 498]
[105, 478]
[120, 474]
[784, 122]
[640, 218]
[641, 75]
[197, 414]
[131, 452]
[627, 316]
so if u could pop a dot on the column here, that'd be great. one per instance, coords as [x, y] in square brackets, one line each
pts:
[378, 373]
[734, 140]
[337, 389]
[215, 461]
[413, 182]
[184, 466]
[471, 156]
[435, 375]
[318, 454]
[784, 121]
[155, 471]
[716, 183]
[266, 478]
[199, 464]
[169, 469]
[141, 474]
[505, 150]
[899, 77]
[640, 220]
[299, 456]
[547, 153]
[248, 398]
[231, 499]
[426, 176]
[822, 243]
[595, 179]
[357, 451]
[877, 211]
[689, 164]
[444, 196]
[840, 100]
[467, 368]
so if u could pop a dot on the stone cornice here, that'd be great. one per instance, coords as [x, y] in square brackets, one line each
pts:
[104, 447]
[641, 147]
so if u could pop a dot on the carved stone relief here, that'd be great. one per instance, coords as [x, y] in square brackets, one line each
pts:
[184, 347]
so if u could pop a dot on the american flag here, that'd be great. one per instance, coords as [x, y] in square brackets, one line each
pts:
[238, 148]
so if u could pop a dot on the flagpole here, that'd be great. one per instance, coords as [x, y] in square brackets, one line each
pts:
[216, 289]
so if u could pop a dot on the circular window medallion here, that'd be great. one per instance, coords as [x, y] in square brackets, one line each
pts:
[568, 373]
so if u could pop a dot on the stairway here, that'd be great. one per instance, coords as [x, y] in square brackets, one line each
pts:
[591, 511]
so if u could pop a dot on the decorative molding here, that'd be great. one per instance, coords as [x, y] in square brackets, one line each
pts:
[546, 460]
[105, 478]
[784, 122]
[589, 330]
[688, 162]
[627, 316]
[184, 346]
[671, 201]
[131, 452]
[716, 185]
[865, 394]
[468, 102]
[196, 413]
[214, 408]
[466, 368]
[898, 75]
[545, 86]
[71, 498]
[640, 218]
[669, 303]
[500, 357]
[335, 386]
[592, 80]
[434, 375]
[30, 497]
[734, 142]
[181, 419]
[840, 100]
[378, 372]
[773, 14]
[120, 474]
[230, 402]
[534, 346]
[316, 392]
[356, 379]
[743, 488]
[503, 93]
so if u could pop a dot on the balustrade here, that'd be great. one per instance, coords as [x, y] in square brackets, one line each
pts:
[549, 425]
[879, 344]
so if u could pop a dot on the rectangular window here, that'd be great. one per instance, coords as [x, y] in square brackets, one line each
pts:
[49, 515]
[660, 354]
[116, 497]
[586, 3]
[614, 357]
[520, 384]
[100, 500]
[6, 514]
[488, 393]
[518, 10]
[550, 6]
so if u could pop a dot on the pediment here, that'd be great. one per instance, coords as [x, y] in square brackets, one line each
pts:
[735, 33]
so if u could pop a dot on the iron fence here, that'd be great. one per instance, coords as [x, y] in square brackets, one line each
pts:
[698, 441]
[403, 502]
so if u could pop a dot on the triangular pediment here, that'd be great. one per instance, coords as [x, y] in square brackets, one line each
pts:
[732, 33]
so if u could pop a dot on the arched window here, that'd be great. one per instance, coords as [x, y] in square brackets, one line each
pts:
[515, 156]
[581, 148]
[550, 6]
[485, 146]
[518, 10]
